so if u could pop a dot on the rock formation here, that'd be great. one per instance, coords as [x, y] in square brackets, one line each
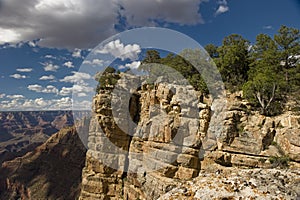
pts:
[51, 171]
[161, 137]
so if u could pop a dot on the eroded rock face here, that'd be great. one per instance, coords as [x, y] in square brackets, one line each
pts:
[154, 143]
[251, 139]
[145, 142]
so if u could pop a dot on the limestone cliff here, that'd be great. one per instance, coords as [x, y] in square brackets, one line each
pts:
[163, 136]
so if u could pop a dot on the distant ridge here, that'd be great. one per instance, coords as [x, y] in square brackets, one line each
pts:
[22, 131]
[51, 171]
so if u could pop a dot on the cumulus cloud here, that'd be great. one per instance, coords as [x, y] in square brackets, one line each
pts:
[93, 62]
[2, 96]
[78, 90]
[50, 89]
[66, 91]
[50, 56]
[133, 65]
[47, 78]
[38, 88]
[15, 96]
[119, 50]
[60, 23]
[18, 76]
[49, 67]
[69, 64]
[25, 70]
[77, 77]
[76, 53]
[223, 7]
[84, 23]
[64, 103]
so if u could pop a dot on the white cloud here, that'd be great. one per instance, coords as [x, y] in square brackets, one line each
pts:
[8, 35]
[69, 64]
[79, 90]
[223, 7]
[59, 23]
[15, 96]
[2, 96]
[32, 44]
[64, 103]
[133, 65]
[66, 91]
[77, 77]
[50, 89]
[43, 104]
[119, 50]
[40, 102]
[50, 67]
[268, 27]
[76, 53]
[47, 78]
[50, 56]
[25, 70]
[38, 88]
[18, 76]
[61, 104]
[94, 62]
[84, 23]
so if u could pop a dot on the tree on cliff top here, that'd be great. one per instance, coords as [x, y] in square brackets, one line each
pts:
[274, 71]
[233, 61]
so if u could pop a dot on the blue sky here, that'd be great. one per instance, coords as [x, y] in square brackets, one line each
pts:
[43, 43]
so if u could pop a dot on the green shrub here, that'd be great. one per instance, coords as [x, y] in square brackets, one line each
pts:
[279, 161]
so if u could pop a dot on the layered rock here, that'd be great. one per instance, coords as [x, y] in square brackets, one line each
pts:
[154, 143]
[146, 142]
[252, 140]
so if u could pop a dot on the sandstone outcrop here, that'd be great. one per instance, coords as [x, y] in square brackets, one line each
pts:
[158, 138]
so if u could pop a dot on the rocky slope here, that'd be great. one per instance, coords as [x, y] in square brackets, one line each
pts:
[51, 171]
[22, 132]
[161, 138]
[234, 183]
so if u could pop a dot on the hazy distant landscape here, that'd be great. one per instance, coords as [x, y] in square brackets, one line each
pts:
[23, 131]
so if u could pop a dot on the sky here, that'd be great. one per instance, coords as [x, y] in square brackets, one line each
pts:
[44, 44]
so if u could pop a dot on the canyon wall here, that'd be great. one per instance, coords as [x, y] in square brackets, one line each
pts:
[147, 142]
